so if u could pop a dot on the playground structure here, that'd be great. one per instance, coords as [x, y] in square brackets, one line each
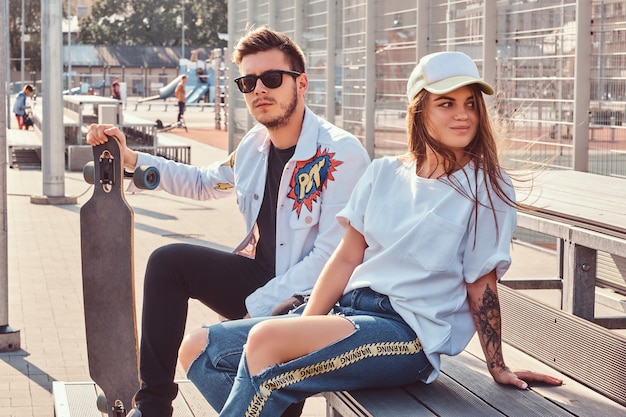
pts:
[201, 77]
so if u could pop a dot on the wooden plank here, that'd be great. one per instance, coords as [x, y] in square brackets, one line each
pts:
[383, 402]
[193, 400]
[471, 373]
[572, 396]
[447, 398]
[590, 198]
[341, 404]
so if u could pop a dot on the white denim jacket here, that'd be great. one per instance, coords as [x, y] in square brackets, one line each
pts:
[315, 186]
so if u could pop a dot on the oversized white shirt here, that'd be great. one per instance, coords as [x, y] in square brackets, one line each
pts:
[316, 184]
[423, 247]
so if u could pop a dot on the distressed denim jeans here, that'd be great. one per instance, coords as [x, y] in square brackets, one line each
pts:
[382, 351]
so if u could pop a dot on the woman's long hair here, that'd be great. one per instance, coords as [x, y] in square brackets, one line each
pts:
[482, 149]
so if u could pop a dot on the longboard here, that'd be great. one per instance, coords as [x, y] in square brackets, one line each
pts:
[106, 231]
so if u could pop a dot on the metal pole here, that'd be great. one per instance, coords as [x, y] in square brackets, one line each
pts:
[9, 338]
[423, 28]
[370, 76]
[69, 45]
[331, 59]
[22, 45]
[53, 140]
[183, 30]
[582, 74]
[230, 76]
[490, 15]
[6, 63]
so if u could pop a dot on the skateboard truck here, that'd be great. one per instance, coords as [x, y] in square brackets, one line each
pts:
[107, 175]
[144, 177]
[117, 410]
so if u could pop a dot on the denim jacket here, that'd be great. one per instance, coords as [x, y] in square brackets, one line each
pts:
[315, 185]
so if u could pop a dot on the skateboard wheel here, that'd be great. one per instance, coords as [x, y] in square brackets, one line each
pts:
[146, 177]
[89, 172]
[102, 404]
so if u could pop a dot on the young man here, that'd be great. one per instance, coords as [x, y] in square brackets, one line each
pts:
[20, 106]
[291, 173]
[181, 98]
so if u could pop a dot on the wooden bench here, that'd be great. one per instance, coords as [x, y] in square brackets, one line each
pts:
[586, 215]
[466, 389]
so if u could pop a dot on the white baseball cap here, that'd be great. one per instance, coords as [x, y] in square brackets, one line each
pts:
[442, 72]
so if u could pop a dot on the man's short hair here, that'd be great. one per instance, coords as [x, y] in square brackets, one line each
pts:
[29, 88]
[265, 39]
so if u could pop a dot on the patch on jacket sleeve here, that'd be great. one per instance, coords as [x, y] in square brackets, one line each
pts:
[310, 178]
[222, 186]
[230, 161]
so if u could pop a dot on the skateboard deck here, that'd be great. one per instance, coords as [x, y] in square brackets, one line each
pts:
[106, 232]
[166, 128]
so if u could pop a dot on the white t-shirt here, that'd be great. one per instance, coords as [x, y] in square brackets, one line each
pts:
[423, 247]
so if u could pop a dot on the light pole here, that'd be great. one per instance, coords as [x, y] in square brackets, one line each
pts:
[69, 45]
[183, 29]
[22, 45]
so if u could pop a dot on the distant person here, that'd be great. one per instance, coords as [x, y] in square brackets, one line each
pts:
[116, 92]
[180, 96]
[20, 107]
[210, 79]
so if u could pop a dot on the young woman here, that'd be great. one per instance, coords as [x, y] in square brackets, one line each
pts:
[427, 236]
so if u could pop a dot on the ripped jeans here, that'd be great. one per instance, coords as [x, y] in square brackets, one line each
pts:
[383, 351]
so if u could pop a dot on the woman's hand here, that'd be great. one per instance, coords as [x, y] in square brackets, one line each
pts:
[521, 379]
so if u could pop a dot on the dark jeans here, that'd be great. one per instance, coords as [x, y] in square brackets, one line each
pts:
[174, 274]
[181, 110]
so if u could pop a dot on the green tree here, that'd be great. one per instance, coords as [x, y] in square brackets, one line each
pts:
[154, 22]
[105, 24]
[32, 32]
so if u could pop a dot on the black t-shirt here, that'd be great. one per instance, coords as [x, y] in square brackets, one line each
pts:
[266, 222]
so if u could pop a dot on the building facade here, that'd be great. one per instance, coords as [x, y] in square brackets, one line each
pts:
[559, 68]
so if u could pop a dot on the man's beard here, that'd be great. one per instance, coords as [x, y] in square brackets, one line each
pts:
[283, 120]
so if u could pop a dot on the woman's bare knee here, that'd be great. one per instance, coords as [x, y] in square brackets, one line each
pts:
[278, 341]
[193, 344]
[261, 347]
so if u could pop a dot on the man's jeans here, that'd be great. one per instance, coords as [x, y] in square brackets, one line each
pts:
[383, 351]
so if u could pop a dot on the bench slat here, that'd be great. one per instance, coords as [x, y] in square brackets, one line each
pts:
[447, 398]
[471, 373]
[383, 402]
[194, 400]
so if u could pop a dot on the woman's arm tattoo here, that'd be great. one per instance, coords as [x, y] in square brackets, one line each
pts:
[488, 325]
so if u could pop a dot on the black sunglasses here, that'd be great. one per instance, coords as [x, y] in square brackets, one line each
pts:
[271, 79]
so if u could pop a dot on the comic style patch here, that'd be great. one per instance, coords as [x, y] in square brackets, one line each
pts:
[310, 178]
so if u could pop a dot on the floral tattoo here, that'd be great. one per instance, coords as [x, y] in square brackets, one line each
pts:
[488, 324]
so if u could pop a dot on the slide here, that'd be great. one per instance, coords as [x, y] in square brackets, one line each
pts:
[165, 91]
[197, 93]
